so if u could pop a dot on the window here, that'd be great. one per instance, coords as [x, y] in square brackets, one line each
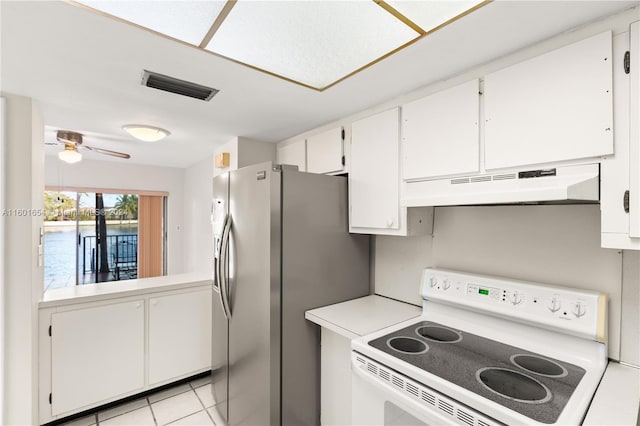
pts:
[100, 236]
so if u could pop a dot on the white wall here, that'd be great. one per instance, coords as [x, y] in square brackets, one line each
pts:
[244, 152]
[120, 175]
[554, 244]
[630, 325]
[2, 250]
[23, 276]
[197, 231]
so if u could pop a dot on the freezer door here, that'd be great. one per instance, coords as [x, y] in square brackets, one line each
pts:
[220, 325]
[322, 264]
[254, 278]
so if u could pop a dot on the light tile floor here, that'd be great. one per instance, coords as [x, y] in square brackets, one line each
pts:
[185, 404]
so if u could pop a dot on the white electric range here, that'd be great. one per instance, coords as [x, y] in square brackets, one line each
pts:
[485, 351]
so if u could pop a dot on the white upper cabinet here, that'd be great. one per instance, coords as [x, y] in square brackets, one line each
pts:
[620, 174]
[440, 133]
[554, 107]
[634, 148]
[294, 153]
[373, 178]
[325, 152]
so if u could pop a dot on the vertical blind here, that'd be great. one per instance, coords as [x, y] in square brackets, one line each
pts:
[150, 235]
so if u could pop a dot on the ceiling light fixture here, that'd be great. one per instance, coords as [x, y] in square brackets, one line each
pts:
[146, 133]
[70, 154]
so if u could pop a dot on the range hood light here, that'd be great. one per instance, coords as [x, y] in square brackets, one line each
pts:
[146, 133]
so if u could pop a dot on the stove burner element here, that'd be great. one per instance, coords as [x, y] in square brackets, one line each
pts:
[407, 345]
[513, 385]
[439, 334]
[539, 365]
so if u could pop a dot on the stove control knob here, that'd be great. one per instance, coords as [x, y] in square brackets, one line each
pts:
[433, 281]
[554, 304]
[579, 309]
[446, 283]
[515, 298]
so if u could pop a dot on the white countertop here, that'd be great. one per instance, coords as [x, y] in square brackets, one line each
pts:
[112, 289]
[617, 399]
[365, 315]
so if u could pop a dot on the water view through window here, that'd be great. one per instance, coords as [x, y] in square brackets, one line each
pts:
[89, 238]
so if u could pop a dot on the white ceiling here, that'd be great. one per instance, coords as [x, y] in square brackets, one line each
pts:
[85, 69]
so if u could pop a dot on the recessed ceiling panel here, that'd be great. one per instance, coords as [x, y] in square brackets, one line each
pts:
[433, 13]
[315, 43]
[185, 20]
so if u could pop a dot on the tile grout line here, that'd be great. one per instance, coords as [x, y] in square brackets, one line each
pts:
[206, 410]
[155, 422]
[182, 418]
[185, 416]
[197, 396]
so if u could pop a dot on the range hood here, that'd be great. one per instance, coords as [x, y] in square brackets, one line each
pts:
[576, 183]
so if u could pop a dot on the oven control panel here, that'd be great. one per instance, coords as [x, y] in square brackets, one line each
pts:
[575, 311]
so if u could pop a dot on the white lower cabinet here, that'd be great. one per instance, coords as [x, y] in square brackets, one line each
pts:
[179, 335]
[93, 353]
[335, 379]
[96, 354]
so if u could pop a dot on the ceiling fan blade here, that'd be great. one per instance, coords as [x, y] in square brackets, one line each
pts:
[106, 151]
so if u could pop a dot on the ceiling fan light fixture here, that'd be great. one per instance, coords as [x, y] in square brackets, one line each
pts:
[70, 155]
[146, 133]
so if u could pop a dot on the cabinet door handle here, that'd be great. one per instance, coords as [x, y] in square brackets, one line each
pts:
[154, 302]
[138, 305]
[625, 201]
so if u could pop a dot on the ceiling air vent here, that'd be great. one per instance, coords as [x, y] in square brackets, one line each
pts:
[180, 87]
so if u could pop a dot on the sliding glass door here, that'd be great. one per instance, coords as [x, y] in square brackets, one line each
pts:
[93, 237]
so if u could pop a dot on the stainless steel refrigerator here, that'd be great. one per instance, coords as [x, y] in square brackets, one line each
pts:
[282, 247]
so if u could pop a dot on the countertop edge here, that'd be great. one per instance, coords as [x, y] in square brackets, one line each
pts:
[330, 326]
[617, 400]
[107, 291]
[332, 317]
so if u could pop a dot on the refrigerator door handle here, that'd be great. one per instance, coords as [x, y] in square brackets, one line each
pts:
[223, 268]
[217, 287]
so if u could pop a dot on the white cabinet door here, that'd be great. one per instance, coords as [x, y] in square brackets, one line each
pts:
[440, 133]
[294, 153]
[325, 152]
[179, 335]
[555, 107]
[97, 354]
[620, 174]
[634, 143]
[374, 175]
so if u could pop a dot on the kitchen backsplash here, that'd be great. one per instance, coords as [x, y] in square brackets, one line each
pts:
[556, 244]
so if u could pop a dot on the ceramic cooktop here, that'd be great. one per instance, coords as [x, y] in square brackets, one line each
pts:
[533, 385]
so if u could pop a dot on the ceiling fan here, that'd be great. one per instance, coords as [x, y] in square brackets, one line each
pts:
[72, 141]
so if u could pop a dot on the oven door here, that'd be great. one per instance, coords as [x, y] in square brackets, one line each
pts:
[380, 396]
